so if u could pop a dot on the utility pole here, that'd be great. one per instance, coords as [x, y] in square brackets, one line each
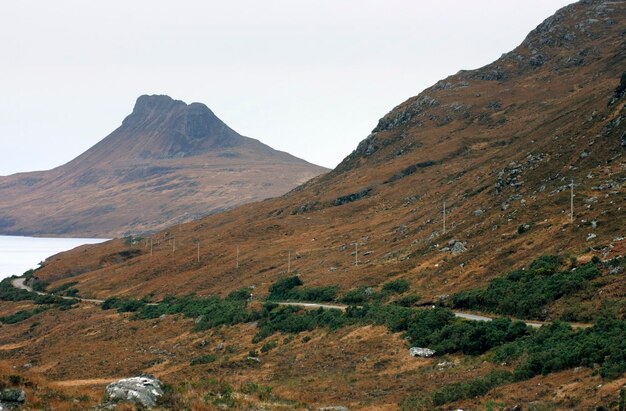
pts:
[444, 217]
[237, 263]
[571, 213]
[289, 262]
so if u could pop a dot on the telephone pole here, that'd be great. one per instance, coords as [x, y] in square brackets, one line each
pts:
[444, 217]
[571, 199]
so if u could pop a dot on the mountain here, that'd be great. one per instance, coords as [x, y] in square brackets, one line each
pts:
[168, 162]
[498, 148]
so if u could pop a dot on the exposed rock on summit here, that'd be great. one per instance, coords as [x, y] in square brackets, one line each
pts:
[168, 162]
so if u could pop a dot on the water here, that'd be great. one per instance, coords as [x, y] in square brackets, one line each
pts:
[20, 254]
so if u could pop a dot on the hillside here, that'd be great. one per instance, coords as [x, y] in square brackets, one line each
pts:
[499, 146]
[167, 163]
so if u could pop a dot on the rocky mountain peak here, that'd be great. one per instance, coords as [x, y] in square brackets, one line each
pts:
[176, 129]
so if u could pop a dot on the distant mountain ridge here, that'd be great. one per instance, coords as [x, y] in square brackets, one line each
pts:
[168, 161]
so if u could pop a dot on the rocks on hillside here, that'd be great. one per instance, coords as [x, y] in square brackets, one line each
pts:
[455, 247]
[11, 398]
[421, 352]
[144, 390]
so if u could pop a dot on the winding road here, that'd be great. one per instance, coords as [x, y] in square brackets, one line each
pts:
[19, 283]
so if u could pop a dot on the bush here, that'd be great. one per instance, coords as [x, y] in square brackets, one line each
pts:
[10, 293]
[527, 294]
[396, 287]
[356, 296]
[66, 289]
[290, 288]
[290, 319]
[282, 288]
[263, 392]
[472, 388]
[242, 294]
[268, 346]
[21, 315]
[210, 312]
[322, 294]
[557, 347]
[407, 300]
[204, 359]
[123, 305]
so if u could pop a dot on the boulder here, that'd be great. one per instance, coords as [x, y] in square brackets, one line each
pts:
[11, 399]
[421, 352]
[12, 395]
[458, 248]
[144, 390]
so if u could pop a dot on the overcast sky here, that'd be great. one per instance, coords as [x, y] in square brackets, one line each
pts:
[311, 77]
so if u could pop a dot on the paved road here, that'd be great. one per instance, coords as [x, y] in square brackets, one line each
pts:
[459, 314]
[314, 305]
[19, 283]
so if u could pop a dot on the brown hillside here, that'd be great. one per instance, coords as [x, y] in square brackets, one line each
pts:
[499, 145]
[168, 162]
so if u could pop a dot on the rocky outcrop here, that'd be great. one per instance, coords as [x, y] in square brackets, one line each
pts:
[421, 352]
[144, 390]
[11, 398]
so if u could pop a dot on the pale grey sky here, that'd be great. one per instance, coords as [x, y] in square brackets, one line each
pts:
[311, 77]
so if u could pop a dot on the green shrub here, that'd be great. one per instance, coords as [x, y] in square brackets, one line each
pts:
[204, 359]
[282, 288]
[322, 294]
[268, 346]
[10, 293]
[109, 303]
[290, 319]
[40, 285]
[21, 315]
[262, 392]
[220, 394]
[242, 294]
[15, 380]
[123, 305]
[557, 346]
[396, 287]
[471, 388]
[66, 289]
[407, 300]
[290, 288]
[356, 296]
[528, 293]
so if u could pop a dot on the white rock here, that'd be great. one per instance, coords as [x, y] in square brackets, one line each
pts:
[421, 352]
[144, 390]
